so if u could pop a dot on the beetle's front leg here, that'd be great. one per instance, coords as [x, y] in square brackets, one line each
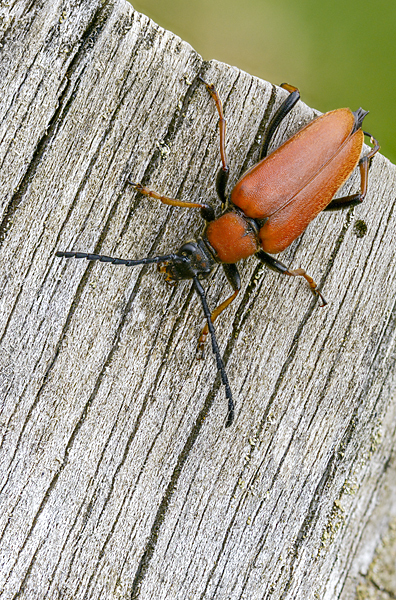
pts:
[224, 172]
[206, 210]
[279, 267]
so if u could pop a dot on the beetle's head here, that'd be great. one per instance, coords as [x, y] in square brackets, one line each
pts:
[193, 260]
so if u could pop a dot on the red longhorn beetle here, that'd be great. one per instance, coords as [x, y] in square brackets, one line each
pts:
[269, 207]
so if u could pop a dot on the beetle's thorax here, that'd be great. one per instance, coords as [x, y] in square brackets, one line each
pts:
[233, 236]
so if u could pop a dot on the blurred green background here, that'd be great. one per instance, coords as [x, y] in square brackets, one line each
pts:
[339, 53]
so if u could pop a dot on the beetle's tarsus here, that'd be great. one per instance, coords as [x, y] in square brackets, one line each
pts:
[321, 297]
[200, 352]
[313, 286]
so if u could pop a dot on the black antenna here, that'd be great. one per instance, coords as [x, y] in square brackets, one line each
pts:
[220, 365]
[122, 261]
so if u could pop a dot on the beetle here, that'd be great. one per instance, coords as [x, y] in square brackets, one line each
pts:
[268, 208]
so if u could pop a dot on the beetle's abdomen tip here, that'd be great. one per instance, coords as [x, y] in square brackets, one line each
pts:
[359, 115]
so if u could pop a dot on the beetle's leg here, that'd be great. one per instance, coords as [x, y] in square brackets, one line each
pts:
[280, 114]
[364, 164]
[279, 267]
[220, 365]
[234, 279]
[206, 210]
[222, 122]
[224, 172]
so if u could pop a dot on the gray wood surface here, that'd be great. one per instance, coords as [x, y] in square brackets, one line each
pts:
[118, 479]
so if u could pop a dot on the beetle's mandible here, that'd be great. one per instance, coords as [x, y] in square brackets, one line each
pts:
[266, 210]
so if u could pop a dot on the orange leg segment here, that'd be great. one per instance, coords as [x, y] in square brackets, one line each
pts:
[165, 200]
[279, 267]
[222, 122]
[312, 284]
[224, 172]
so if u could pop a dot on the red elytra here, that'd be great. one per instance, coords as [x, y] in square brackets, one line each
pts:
[291, 186]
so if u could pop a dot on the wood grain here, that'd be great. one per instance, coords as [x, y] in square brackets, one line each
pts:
[118, 477]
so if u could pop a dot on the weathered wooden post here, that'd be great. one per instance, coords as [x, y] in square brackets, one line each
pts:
[118, 477]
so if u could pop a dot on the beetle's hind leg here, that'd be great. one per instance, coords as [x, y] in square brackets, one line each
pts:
[364, 164]
[279, 267]
[234, 279]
